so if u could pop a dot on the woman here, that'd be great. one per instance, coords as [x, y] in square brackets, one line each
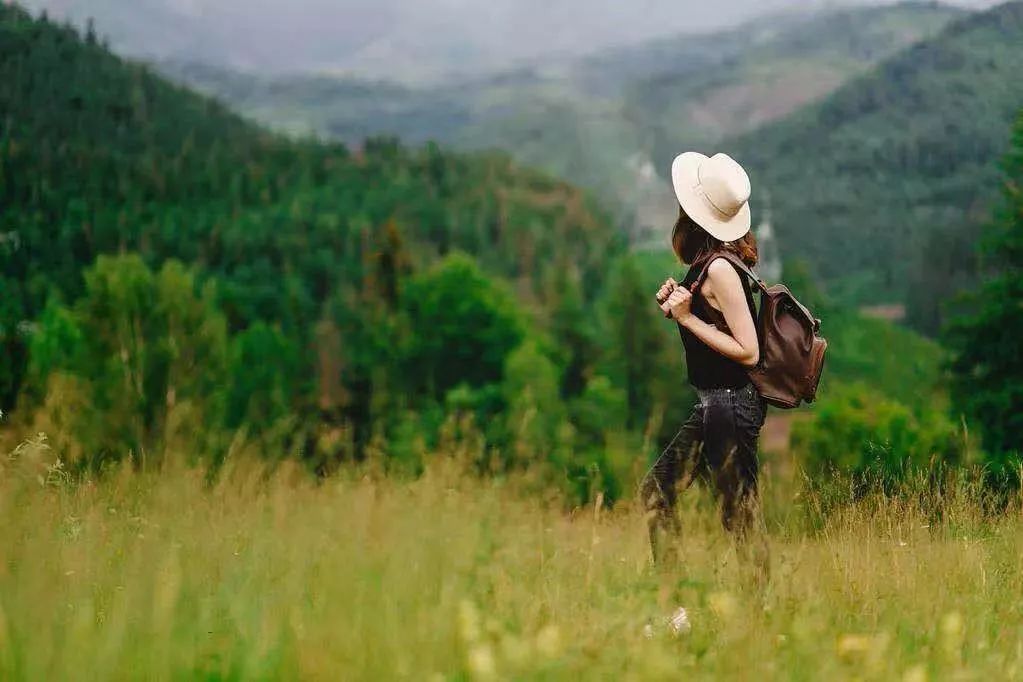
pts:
[720, 341]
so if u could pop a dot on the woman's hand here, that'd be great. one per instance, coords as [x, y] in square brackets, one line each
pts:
[677, 305]
[669, 286]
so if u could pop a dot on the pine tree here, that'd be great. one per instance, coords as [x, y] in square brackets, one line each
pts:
[988, 365]
[633, 340]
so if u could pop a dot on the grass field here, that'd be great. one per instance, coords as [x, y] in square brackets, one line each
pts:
[258, 576]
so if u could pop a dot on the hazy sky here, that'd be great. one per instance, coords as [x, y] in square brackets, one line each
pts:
[411, 38]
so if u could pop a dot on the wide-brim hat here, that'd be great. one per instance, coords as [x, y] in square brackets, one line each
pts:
[714, 192]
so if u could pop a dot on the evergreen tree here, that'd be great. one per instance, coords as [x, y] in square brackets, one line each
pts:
[260, 376]
[464, 325]
[988, 365]
[633, 338]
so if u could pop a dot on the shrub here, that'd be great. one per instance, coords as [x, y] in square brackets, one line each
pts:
[860, 432]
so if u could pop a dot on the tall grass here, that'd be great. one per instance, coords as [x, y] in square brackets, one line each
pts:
[262, 575]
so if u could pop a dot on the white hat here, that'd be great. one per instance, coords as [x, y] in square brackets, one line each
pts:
[714, 192]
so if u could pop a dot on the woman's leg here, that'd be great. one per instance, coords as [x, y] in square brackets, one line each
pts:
[732, 428]
[675, 468]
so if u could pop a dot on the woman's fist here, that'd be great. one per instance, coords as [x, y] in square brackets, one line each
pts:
[665, 290]
[677, 305]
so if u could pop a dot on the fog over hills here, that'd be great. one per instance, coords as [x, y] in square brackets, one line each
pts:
[609, 122]
[413, 41]
[884, 185]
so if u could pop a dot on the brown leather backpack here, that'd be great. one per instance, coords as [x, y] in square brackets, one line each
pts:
[791, 348]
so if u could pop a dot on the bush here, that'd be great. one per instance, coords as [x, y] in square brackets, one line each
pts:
[465, 325]
[860, 432]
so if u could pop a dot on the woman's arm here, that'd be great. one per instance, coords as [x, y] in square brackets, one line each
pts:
[724, 287]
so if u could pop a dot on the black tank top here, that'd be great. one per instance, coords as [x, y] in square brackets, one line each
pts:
[708, 368]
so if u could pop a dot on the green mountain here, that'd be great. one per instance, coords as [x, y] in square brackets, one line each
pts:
[544, 121]
[780, 69]
[882, 186]
[101, 156]
[599, 121]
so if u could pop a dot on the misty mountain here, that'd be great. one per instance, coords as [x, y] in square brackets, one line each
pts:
[794, 63]
[884, 185]
[608, 121]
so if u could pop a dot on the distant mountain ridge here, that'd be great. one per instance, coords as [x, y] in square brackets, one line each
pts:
[797, 61]
[609, 121]
[883, 185]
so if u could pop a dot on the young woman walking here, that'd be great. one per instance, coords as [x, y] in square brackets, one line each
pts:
[713, 308]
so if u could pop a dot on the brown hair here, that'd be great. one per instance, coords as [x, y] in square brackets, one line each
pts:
[690, 242]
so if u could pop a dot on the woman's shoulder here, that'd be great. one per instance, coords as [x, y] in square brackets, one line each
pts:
[718, 267]
[722, 268]
[723, 274]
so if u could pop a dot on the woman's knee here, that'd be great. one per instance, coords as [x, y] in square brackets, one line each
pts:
[650, 490]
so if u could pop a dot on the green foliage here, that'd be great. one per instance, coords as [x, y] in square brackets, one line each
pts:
[464, 326]
[888, 357]
[670, 393]
[861, 431]
[602, 409]
[987, 364]
[573, 328]
[262, 368]
[315, 306]
[57, 344]
[143, 348]
[12, 343]
[881, 411]
[633, 341]
[605, 451]
[535, 412]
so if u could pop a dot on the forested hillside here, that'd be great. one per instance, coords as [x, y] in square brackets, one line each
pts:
[177, 279]
[796, 62]
[136, 214]
[883, 186]
[600, 121]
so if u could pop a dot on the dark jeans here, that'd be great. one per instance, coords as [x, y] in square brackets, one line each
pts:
[719, 439]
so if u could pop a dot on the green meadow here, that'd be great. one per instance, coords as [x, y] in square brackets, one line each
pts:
[269, 575]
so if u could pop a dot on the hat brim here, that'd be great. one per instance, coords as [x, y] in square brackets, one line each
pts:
[685, 178]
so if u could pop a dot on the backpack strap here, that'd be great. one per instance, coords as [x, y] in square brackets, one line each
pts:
[734, 260]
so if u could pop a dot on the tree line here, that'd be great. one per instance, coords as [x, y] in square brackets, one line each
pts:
[177, 279]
